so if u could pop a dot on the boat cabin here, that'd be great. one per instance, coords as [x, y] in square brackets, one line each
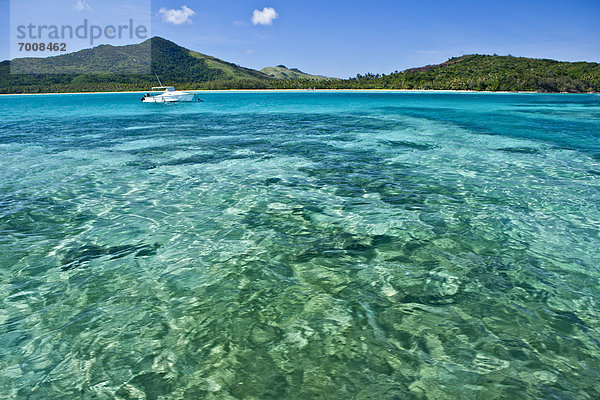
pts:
[163, 89]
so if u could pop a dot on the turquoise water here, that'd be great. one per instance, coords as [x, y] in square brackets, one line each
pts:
[300, 246]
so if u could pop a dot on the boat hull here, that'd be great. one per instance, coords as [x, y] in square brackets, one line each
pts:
[170, 98]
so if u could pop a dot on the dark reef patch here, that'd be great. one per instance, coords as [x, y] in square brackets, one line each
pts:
[86, 253]
[520, 150]
[410, 145]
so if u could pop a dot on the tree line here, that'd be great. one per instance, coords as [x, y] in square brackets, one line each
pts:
[473, 72]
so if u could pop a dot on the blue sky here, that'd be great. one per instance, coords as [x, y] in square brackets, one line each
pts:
[343, 38]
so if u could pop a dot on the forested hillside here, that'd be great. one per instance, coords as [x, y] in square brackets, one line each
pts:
[190, 70]
[493, 73]
[175, 65]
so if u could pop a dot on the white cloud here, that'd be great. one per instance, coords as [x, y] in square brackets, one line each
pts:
[81, 5]
[177, 17]
[264, 17]
[249, 51]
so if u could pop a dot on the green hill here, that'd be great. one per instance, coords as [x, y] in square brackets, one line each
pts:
[175, 65]
[491, 73]
[282, 72]
[229, 70]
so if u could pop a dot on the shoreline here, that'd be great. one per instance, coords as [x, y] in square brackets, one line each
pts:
[299, 91]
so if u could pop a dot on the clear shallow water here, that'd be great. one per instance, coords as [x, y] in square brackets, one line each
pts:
[300, 245]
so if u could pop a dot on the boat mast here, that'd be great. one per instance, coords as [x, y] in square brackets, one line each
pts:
[159, 82]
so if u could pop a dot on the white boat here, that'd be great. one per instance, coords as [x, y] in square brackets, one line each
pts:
[168, 94]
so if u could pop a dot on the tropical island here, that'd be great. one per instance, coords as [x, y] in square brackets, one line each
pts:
[191, 70]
